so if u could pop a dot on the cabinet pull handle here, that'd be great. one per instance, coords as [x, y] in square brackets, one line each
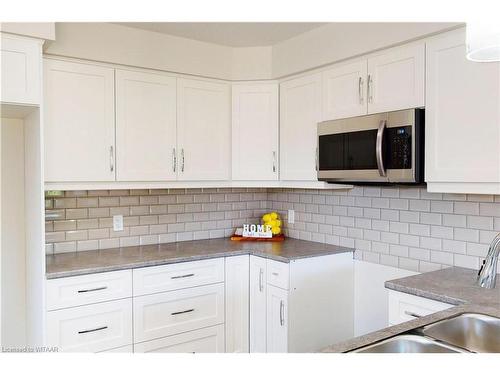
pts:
[111, 159]
[360, 90]
[261, 285]
[282, 313]
[182, 162]
[93, 289]
[370, 89]
[274, 161]
[182, 312]
[92, 330]
[182, 276]
[415, 315]
[174, 160]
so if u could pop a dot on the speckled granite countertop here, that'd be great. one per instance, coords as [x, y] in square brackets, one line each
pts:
[453, 285]
[86, 262]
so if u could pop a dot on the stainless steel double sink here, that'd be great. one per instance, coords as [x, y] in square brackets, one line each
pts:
[465, 333]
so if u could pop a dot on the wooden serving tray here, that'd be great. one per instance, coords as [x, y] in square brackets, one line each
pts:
[278, 238]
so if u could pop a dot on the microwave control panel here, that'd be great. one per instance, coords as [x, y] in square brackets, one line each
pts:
[398, 147]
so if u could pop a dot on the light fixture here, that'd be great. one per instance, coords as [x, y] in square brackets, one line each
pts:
[483, 41]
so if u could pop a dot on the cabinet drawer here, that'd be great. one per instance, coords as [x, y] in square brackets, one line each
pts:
[91, 328]
[169, 313]
[86, 289]
[205, 340]
[404, 307]
[121, 349]
[177, 276]
[277, 274]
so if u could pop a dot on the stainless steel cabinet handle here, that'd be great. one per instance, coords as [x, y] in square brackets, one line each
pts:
[378, 148]
[360, 90]
[282, 313]
[111, 159]
[92, 290]
[274, 161]
[174, 160]
[182, 276]
[370, 89]
[92, 330]
[182, 312]
[261, 284]
[182, 161]
[415, 315]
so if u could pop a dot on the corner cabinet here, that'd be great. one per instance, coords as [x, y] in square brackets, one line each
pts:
[301, 306]
[203, 129]
[146, 126]
[300, 112]
[462, 119]
[79, 122]
[255, 131]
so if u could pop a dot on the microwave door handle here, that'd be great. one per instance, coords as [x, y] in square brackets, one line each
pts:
[378, 149]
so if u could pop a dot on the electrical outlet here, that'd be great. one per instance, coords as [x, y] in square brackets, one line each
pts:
[291, 216]
[118, 223]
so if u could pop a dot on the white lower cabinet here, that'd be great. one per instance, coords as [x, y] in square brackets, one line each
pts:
[205, 340]
[301, 306]
[121, 349]
[163, 314]
[91, 328]
[404, 307]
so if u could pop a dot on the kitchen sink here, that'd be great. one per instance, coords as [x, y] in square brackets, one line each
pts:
[408, 344]
[474, 332]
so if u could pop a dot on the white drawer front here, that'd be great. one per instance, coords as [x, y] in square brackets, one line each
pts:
[177, 276]
[86, 289]
[169, 313]
[121, 349]
[404, 307]
[205, 340]
[92, 328]
[278, 274]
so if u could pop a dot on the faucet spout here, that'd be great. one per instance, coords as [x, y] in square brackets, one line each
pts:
[488, 272]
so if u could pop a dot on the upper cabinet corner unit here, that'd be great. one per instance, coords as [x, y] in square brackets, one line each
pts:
[161, 124]
[391, 80]
[462, 119]
[255, 131]
[20, 76]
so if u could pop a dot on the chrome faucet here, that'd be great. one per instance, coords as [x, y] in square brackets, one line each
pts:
[488, 273]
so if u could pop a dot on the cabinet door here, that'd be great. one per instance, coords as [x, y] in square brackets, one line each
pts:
[344, 90]
[462, 119]
[258, 303]
[79, 122]
[255, 131]
[20, 61]
[277, 320]
[300, 112]
[396, 79]
[145, 126]
[204, 130]
[237, 304]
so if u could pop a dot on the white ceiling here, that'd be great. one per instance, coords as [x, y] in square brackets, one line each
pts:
[232, 34]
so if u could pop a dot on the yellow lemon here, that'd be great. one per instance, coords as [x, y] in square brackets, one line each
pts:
[273, 223]
[278, 223]
[266, 218]
[276, 230]
[274, 215]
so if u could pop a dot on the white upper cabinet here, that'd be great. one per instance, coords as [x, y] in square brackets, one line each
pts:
[300, 112]
[145, 126]
[462, 119]
[203, 129]
[255, 131]
[396, 79]
[344, 90]
[79, 122]
[21, 60]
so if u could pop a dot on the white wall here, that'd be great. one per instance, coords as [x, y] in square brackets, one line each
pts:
[252, 63]
[13, 284]
[41, 30]
[371, 299]
[338, 41]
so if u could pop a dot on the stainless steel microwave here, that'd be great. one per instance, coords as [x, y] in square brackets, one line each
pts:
[381, 148]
